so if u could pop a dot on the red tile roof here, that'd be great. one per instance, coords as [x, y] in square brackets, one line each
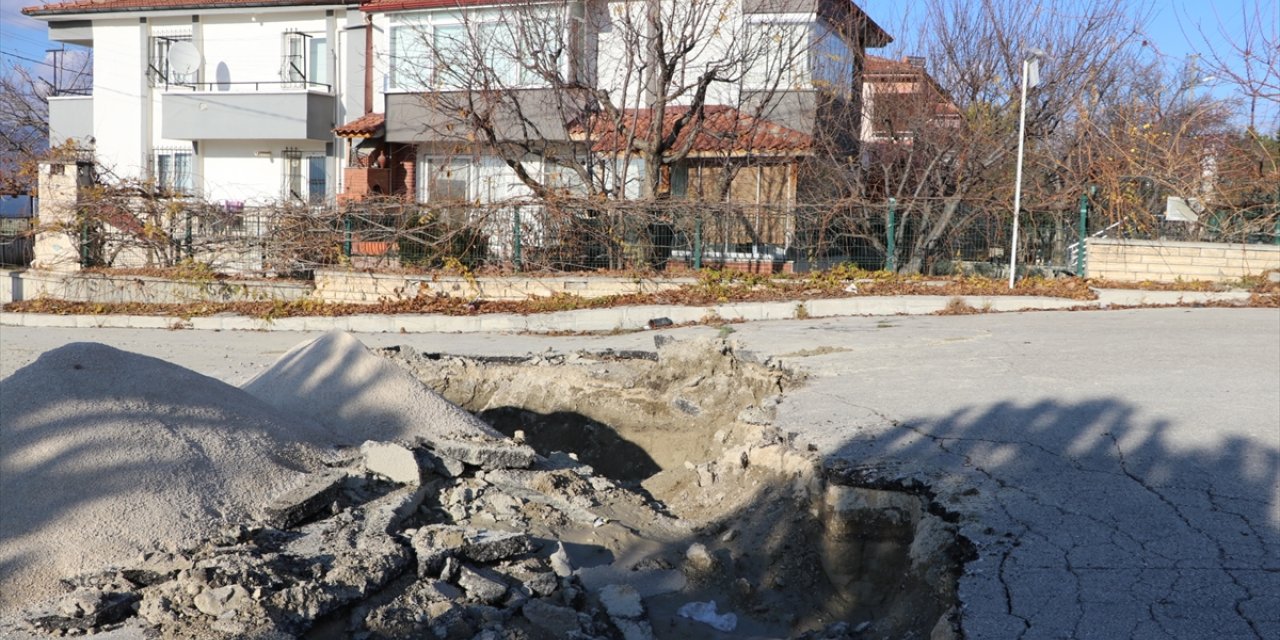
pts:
[368, 125]
[407, 5]
[723, 129]
[107, 6]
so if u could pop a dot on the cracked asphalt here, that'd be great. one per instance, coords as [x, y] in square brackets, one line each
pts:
[1118, 472]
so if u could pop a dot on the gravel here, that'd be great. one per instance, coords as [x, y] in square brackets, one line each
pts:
[105, 455]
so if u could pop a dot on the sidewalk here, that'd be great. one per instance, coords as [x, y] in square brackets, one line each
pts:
[626, 317]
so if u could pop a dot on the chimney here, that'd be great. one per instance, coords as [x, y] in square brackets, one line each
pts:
[916, 61]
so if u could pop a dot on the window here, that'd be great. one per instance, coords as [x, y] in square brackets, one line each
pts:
[293, 63]
[318, 57]
[159, 71]
[778, 55]
[306, 177]
[453, 50]
[832, 62]
[172, 171]
[410, 55]
[447, 181]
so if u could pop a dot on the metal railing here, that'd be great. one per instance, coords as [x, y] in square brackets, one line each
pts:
[283, 85]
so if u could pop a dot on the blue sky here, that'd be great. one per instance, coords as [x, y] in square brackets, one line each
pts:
[1174, 28]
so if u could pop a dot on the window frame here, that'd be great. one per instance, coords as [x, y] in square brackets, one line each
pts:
[173, 180]
[159, 73]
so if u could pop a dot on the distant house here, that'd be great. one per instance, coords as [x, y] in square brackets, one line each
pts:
[234, 100]
[316, 101]
[900, 98]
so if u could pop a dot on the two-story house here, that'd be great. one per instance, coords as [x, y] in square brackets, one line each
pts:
[256, 101]
[233, 101]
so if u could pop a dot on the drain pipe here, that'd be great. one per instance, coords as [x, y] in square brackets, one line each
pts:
[368, 63]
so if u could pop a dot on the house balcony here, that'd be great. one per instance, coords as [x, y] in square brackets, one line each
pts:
[70, 118]
[247, 111]
[432, 116]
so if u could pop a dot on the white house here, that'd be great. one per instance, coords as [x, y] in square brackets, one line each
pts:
[233, 101]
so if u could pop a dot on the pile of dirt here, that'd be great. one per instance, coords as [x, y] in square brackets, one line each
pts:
[106, 454]
[335, 380]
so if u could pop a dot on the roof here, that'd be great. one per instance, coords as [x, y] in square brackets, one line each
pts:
[107, 6]
[722, 129]
[369, 125]
[408, 5]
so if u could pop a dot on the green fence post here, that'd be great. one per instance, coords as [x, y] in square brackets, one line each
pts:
[346, 236]
[891, 242]
[515, 232]
[84, 246]
[697, 242]
[1084, 234]
[186, 238]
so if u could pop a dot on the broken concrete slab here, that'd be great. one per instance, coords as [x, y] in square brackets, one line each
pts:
[485, 452]
[434, 544]
[481, 585]
[392, 461]
[305, 500]
[557, 620]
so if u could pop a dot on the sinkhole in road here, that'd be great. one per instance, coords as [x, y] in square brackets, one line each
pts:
[790, 545]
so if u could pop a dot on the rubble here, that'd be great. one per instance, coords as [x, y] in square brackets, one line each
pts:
[459, 533]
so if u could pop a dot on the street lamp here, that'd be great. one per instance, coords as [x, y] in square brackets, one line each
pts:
[1030, 79]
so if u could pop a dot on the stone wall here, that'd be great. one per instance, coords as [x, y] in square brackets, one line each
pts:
[366, 288]
[18, 285]
[1167, 261]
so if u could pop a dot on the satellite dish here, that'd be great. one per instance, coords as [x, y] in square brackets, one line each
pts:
[184, 58]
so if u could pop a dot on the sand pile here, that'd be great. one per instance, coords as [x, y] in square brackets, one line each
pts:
[105, 454]
[337, 381]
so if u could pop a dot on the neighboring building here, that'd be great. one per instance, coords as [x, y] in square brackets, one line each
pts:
[900, 98]
[253, 101]
[426, 52]
[244, 115]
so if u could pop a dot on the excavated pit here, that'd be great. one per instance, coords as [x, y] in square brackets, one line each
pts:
[794, 548]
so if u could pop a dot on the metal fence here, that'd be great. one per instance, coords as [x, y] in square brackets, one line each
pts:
[928, 236]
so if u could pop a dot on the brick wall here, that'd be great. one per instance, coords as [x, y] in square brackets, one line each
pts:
[1166, 261]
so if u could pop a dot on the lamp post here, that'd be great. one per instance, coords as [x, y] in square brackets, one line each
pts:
[1030, 79]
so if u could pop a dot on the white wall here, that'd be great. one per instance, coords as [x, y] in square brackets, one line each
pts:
[234, 170]
[237, 46]
[249, 47]
[119, 88]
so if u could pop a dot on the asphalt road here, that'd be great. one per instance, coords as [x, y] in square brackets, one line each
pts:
[1119, 472]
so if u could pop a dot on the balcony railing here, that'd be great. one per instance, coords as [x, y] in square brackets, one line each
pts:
[265, 85]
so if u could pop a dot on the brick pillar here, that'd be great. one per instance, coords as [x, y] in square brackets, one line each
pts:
[57, 242]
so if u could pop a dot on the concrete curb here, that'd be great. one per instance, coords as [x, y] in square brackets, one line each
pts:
[622, 318]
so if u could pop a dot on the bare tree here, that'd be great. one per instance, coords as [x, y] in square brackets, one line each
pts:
[588, 87]
[1247, 55]
[975, 50]
[24, 110]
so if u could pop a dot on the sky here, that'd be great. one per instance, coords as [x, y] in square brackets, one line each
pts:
[1174, 29]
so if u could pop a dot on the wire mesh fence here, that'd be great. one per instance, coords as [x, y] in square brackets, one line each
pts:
[927, 236]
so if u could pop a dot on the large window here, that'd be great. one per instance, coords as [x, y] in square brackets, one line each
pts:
[172, 171]
[485, 47]
[447, 181]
